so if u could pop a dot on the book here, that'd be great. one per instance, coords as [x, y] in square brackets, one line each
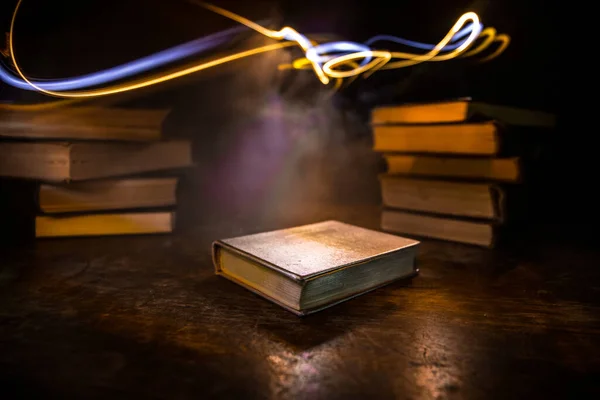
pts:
[104, 224]
[308, 268]
[478, 233]
[460, 111]
[474, 200]
[472, 138]
[493, 169]
[85, 123]
[469, 139]
[58, 162]
[108, 194]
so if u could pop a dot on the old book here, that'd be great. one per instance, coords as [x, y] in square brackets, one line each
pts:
[108, 194]
[79, 161]
[494, 169]
[472, 139]
[308, 268]
[436, 227]
[474, 200]
[105, 224]
[85, 123]
[460, 111]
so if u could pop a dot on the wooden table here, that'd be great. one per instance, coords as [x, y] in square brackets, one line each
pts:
[145, 317]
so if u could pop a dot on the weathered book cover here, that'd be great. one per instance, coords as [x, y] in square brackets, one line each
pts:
[308, 252]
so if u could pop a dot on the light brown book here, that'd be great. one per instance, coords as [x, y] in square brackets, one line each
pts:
[86, 123]
[473, 138]
[308, 268]
[105, 224]
[495, 169]
[474, 200]
[80, 161]
[459, 111]
[454, 230]
[109, 194]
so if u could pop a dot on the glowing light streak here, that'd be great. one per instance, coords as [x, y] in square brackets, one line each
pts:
[362, 52]
[161, 78]
[286, 33]
[338, 60]
[127, 70]
[423, 46]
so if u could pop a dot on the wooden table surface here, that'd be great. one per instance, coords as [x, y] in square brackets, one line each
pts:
[145, 317]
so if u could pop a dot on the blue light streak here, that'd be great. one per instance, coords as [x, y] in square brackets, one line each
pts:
[322, 56]
[177, 53]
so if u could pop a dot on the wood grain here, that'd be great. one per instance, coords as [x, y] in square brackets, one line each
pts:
[146, 317]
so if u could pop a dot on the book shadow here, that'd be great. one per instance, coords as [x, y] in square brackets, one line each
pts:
[325, 327]
[303, 333]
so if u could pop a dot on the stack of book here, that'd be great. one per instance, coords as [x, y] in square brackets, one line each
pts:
[460, 170]
[96, 171]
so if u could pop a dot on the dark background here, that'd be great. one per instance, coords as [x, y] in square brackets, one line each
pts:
[230, 110]
[64, 37]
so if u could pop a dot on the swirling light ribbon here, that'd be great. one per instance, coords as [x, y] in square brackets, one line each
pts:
[336, 60]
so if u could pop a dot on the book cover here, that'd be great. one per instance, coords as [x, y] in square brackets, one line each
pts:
[337, 261]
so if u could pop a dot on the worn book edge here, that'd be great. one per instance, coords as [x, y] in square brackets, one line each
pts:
[475, 178]
[495, 226]
[496, 190]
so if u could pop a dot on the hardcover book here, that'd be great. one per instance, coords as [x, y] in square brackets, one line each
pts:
[312, 267]
[108, 194]
[65, 162]
[460, 111]
[485, 201]
[104, 224]
[84, 123]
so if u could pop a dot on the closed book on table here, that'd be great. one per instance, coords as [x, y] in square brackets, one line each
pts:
[308, 268]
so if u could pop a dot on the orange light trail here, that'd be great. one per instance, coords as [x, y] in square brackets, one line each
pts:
[339, 68]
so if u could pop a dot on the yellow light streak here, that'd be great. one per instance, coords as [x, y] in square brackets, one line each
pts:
[142, 84]
[338, 68]
[504, 40]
